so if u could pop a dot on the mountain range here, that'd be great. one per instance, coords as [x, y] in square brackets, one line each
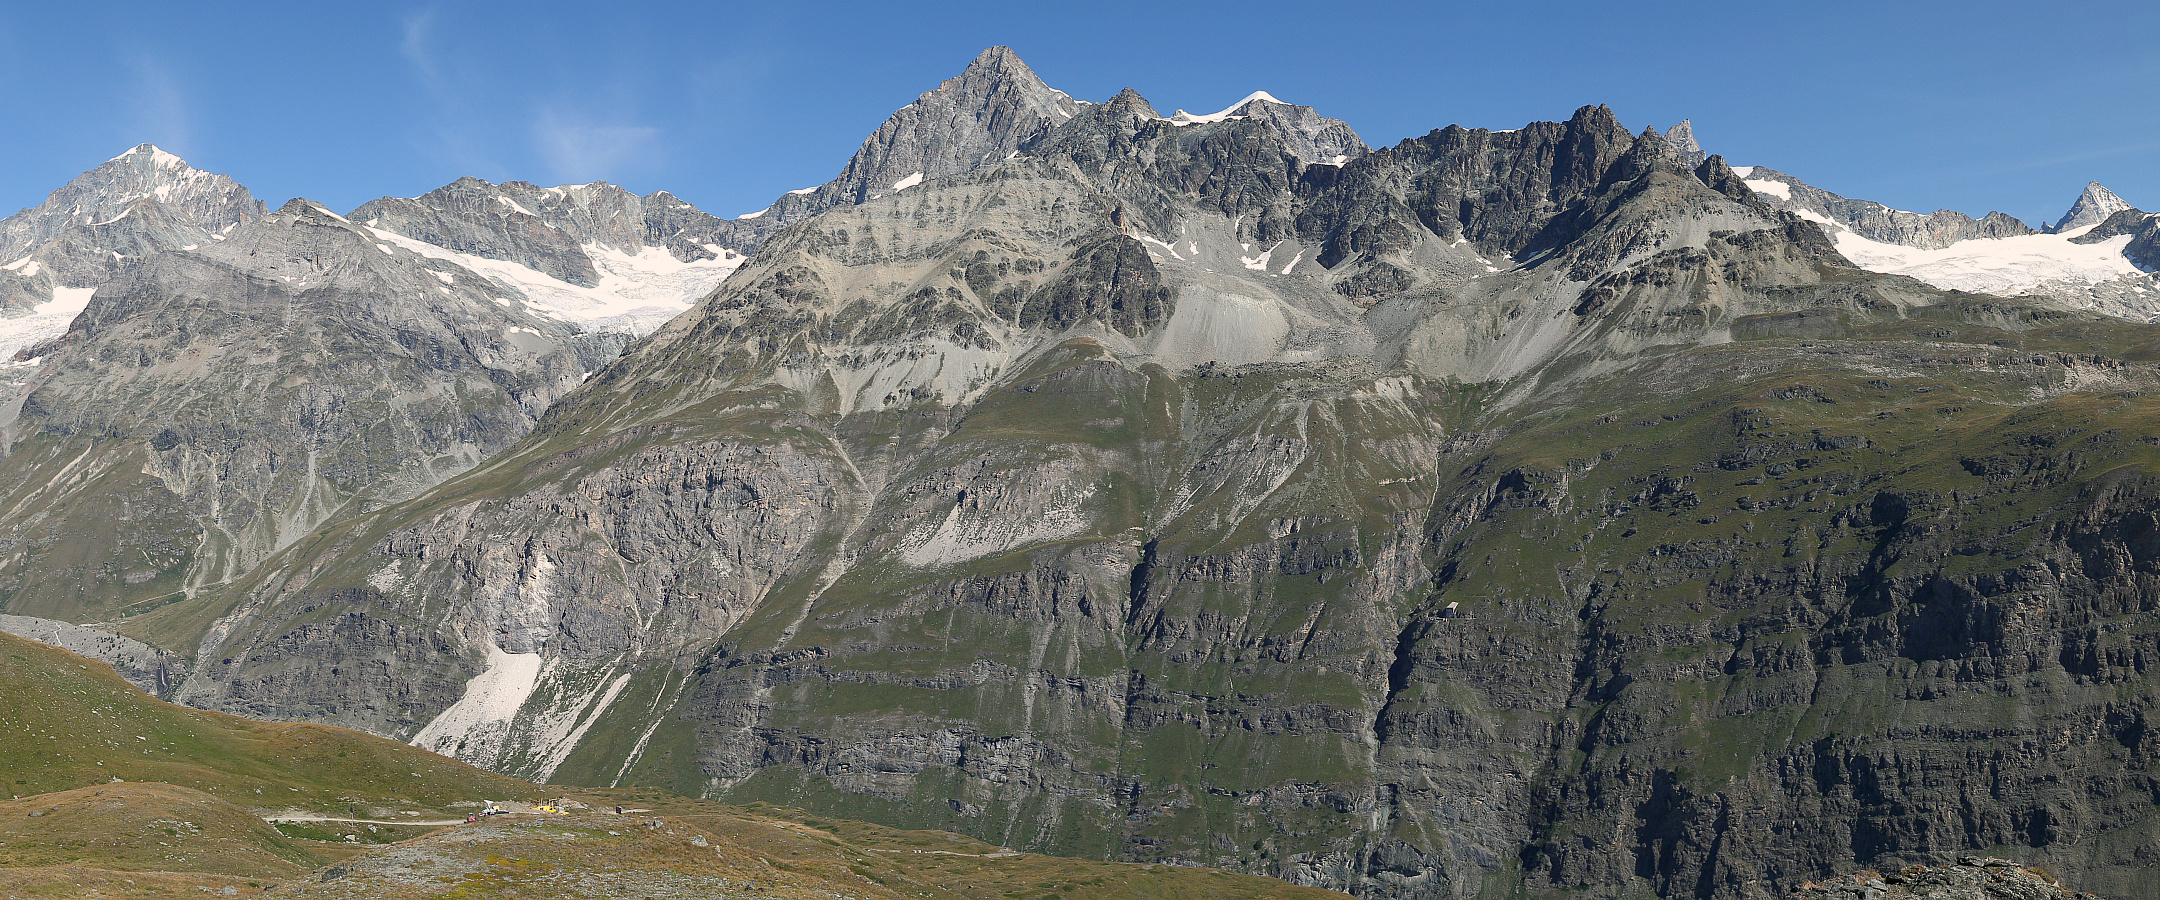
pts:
[1553, 511]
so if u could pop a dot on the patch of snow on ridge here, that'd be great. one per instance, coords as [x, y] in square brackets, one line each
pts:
[477, 726]
[1994, 265]
[1182, 118]
[1743, 171]
[908, 182]
[49, 320]
[1777, 189]
[637, 292]
[753, 215]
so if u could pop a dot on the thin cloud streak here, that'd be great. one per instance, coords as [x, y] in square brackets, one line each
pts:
[576, 150]
[158, 109]
[414, 48]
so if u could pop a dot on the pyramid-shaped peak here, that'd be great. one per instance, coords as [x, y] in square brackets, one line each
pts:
[197, 198]
[303, 209]
[996, 58]
[1129, 100]
[2093, 206]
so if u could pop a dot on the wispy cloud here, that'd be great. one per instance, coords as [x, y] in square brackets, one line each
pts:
[414, 47]
[2066, 159]
[445, 129]
[157, 108]
[579, 149]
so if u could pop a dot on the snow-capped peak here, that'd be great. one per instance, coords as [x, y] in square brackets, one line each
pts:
[2092, 207]
[158, 158]
[1182, 117]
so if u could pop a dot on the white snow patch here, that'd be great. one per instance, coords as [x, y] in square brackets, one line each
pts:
[1777, 189]
[908, 182]
[1743, 171]
[45, 322]
[801, 191]
[1994, 265]
[1182, 118]
[445, 278]
[1167, 248]
[158, 158]
[27, 266]
[637, 292]
[753, 215]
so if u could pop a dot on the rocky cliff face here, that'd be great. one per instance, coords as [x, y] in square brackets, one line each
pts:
[1307, 134]
[1682, 139]
[1495, 512]
[155, 671]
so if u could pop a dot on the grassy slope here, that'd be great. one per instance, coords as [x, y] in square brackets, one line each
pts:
[684, 848]
[148, 827]
[67, 722]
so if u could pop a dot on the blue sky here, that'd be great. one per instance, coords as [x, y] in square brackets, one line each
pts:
[1971, 106]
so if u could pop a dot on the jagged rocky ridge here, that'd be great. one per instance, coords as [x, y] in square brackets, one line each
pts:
[1492, 512]
[1876, 222]
[2091, 264]
[595, 255]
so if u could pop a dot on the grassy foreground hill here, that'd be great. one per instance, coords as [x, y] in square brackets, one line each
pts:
[68, 722]
[114, 793]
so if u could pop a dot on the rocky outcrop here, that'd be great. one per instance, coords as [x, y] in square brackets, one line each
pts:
[1309, 135]
[985, 114]
[1682, 139]
[155, 671]
[1971, 878]
[473, 216]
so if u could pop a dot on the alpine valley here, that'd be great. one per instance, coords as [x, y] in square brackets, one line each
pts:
[1553, 512]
